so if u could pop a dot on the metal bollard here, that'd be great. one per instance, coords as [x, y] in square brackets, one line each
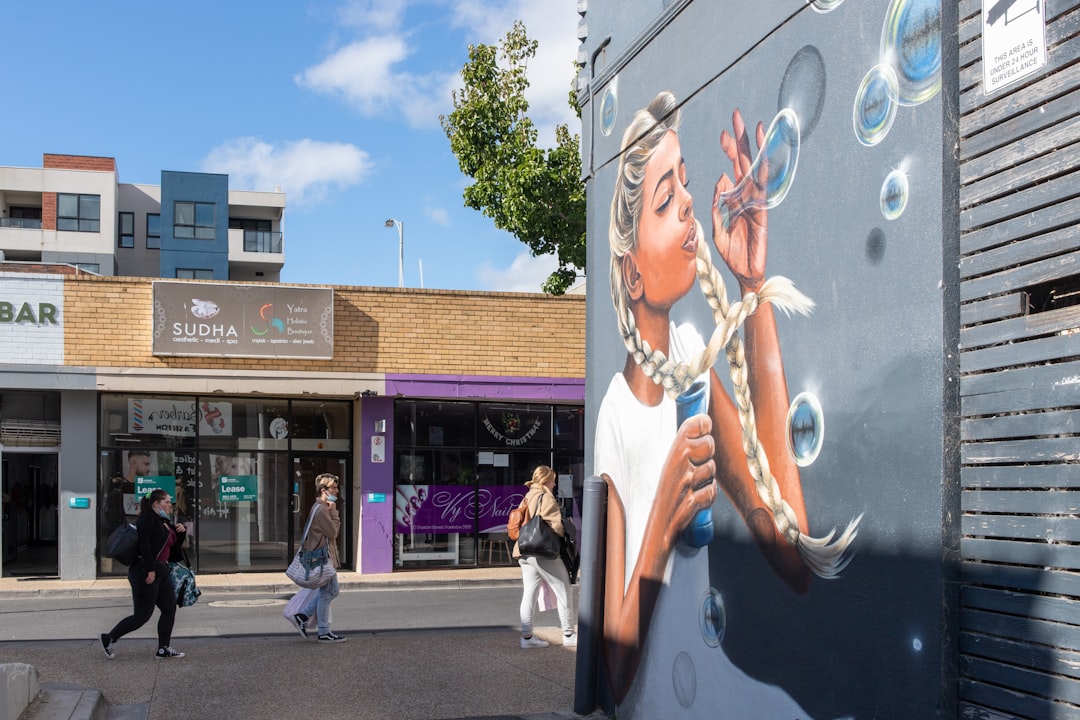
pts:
[587, 678]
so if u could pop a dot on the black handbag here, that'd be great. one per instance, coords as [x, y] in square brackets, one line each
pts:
[569, 551]
[537, 539]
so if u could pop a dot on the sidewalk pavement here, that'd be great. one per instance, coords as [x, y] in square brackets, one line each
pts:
[273, 582]
[400, 675]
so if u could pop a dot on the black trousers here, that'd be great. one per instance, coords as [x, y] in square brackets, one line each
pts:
[159, 593]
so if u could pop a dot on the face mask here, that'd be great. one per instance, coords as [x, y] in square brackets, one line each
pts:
[331, 498]
[163, 514]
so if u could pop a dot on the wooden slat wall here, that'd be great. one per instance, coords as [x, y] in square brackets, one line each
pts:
[1020, 380]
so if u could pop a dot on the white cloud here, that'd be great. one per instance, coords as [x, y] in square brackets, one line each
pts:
[438, 216]
[364, 75]
[359, 72]
[368, 73]
[305, 169]
[381, 15]
[525, 274]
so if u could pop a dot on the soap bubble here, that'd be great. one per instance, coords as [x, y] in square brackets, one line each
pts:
[826, 6]
[875, 105]
[806, 429]
[780, 153]
[713, 618]
[894, 194]
[911, 45]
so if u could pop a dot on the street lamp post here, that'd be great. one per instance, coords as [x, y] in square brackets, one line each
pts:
[401, 249]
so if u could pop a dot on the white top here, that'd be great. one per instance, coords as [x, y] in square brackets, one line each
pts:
[680, 675]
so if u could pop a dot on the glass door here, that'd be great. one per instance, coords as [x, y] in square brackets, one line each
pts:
[241, 511]
[305, 469]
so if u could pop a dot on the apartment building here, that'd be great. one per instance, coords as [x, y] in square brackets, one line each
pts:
[74, 210]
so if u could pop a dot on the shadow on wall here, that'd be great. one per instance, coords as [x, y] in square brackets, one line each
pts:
[891, 638]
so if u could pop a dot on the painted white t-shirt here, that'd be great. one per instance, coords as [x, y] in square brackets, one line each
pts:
[683, 672]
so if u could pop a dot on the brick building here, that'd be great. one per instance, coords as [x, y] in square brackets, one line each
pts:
[433, 407]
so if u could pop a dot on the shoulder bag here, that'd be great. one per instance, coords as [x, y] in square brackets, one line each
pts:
[311, 568]
[123, 544]
[183, 580]
[537, 538]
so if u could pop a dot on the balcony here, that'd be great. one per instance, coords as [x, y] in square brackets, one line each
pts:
[25, 223]
[255, 254]
[258, 241]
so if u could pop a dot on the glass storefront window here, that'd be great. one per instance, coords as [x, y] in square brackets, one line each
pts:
[419, 423]
[461, 467]
[515, 426]
[227, 462]
[240, 422]
[134, 421]
[320, 425]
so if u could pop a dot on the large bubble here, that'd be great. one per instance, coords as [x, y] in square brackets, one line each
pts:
[780, 153]
[911, 45]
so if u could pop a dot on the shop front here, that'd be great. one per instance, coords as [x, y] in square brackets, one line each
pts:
[241, 471]
[460, 467]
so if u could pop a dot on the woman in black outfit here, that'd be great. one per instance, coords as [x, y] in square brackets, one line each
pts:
[159, 543]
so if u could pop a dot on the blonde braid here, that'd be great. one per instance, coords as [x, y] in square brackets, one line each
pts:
[824, 556]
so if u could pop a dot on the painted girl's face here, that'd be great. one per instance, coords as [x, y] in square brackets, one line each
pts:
[667, 234]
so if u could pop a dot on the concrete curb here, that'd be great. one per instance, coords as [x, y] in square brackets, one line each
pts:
[18, 688]
[62, 701]
[273, 584]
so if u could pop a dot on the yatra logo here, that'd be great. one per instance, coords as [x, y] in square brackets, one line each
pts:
[266, 312]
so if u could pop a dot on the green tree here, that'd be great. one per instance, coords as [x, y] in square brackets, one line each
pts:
[534, 193]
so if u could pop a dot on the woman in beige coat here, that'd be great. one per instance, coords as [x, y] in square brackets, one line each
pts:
[541, 500]
[324, 529]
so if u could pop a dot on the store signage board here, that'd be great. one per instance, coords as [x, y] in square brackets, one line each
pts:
[223, 320]
[238, 488]
[1013, 41]
[149, 483]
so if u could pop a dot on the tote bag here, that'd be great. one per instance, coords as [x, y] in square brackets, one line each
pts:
[537, 539]
[311, 568]
[183, 580]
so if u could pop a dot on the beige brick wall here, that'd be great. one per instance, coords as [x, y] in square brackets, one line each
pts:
[108, 323]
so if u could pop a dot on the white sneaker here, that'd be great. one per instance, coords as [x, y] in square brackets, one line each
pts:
[569, 640]
[532, 642]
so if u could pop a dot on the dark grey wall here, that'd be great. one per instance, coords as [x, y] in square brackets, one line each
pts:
[875, 351]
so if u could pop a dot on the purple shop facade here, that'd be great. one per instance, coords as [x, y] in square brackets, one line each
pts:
[443, 508]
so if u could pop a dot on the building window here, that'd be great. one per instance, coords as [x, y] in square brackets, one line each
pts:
[192, 274]
[81, 213]
[90, 267]
[194, 220]
[153, 231]
[126, 229]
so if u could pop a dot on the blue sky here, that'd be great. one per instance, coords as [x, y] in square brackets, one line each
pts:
[335, 101]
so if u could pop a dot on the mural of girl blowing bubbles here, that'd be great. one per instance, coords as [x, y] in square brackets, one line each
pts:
[663, 623]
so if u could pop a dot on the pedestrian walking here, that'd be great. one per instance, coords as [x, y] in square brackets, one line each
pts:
[325, 525]
[159, 543]
[537, 570]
